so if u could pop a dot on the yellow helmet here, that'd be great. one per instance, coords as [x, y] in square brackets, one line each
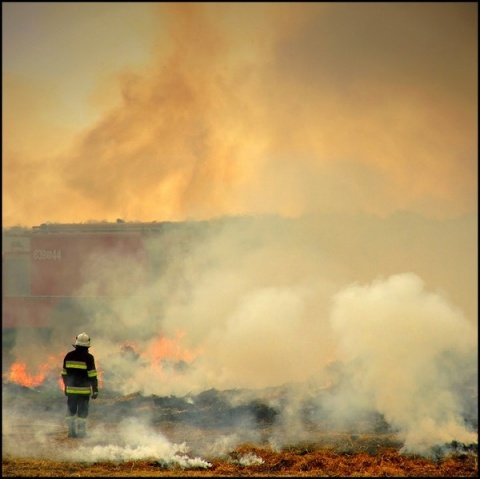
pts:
[83, 339]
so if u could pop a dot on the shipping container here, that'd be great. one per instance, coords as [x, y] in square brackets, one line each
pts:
[52, 268]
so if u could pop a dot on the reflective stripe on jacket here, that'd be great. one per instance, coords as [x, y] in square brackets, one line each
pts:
[78, 390]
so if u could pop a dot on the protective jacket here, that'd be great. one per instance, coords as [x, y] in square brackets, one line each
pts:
[79, 373]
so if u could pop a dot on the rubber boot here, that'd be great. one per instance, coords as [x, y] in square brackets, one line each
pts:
[70, 420]
[81, 427]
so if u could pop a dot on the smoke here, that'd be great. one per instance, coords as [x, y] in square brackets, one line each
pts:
[226, 296]
[241, 109]
[135, 441]
[412, 349]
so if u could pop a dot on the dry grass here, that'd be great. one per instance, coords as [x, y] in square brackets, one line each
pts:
[298, 461]
[322, 463]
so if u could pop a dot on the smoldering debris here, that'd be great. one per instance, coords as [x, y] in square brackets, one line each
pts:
[216, 410]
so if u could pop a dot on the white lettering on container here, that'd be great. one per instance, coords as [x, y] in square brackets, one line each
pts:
[47, 254]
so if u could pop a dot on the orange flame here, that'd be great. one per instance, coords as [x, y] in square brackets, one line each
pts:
[160, 349]
[164, 348]
[18, 374]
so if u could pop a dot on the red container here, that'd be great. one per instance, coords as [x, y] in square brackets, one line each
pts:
[54, 265]
[96, 264]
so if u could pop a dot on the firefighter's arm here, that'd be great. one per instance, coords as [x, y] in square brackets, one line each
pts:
[64, 378]
[93, 377]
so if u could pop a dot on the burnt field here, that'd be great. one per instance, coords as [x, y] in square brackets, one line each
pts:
[214, 433]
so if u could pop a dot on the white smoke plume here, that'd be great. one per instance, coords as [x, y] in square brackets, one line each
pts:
[411, 348]
[135, 441]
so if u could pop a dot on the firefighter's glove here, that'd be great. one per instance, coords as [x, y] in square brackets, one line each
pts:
[95, 395]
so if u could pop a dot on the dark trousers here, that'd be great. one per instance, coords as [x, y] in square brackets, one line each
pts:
[78, 404]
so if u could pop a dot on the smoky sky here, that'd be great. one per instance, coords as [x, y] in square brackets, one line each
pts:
[250, 109]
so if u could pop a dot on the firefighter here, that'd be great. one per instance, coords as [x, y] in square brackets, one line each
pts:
[80, 380]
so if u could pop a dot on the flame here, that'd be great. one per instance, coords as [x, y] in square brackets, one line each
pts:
[20, 375]
[163, 348]
[163, 355]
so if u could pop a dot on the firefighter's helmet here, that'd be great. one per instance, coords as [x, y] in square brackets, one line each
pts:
[83, 339]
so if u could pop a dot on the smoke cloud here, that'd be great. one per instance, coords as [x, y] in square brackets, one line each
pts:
[411, 350]
[245, 109]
